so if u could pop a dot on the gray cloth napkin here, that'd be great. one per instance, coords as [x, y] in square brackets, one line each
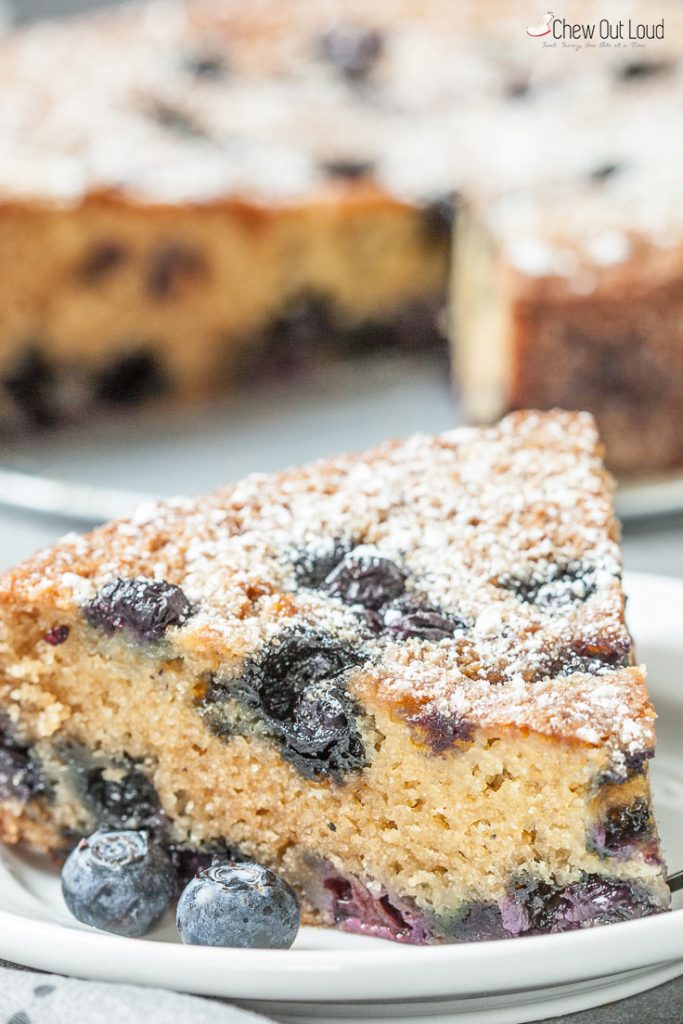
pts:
[30, 998]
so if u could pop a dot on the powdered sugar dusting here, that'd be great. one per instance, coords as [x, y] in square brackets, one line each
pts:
[197, 101]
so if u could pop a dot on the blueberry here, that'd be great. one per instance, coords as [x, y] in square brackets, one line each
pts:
[118, 881]
[189, 861]
[635, 761]
[416, 328]
[348, 170]
[130, 801]
[20, 777]
[297, 662]
[603, 901]
[313, 566]
[145, 608]
[591, 655]
[367, 580]
[322, 721]
[304, 327]
[31, 382]
[240, 905]
[56, 635]
[614, 650]
[352, 50]
[625, 765]
[412, 617]
[368, 336]
[206, 64]
[170, 265]
[478, 922]
[625, 825]
[440, 732]
[534, 906]
[354, 908]
[296, 687]
[100, 261]
[130, 378]
[554, 587]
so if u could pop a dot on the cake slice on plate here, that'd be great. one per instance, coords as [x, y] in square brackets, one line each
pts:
[402, 679]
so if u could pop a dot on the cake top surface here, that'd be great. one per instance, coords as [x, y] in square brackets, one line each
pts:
[194, 101]
[624, 212]
[475, 575]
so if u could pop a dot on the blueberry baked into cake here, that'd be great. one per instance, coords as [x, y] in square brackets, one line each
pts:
[400, 679]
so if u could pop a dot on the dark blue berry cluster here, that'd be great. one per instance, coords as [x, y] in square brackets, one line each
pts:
[296, 687]
[142, 608]
[119, 799]
[535, 907]
[21, 777]
[553, 587]
[375, 588]
[622, 828]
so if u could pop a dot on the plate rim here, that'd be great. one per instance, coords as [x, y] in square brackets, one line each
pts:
[537, 962]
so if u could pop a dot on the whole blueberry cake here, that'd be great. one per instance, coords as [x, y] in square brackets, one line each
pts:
[400, 679]
[254, 189]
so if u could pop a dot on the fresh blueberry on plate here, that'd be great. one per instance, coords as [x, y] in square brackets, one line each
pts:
[243, 905]
[119, 881]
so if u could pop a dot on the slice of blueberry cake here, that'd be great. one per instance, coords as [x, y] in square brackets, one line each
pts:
[401, 679]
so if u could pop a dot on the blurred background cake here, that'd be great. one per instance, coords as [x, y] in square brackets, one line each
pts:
[195, 196]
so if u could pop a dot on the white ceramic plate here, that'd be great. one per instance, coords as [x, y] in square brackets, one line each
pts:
[101, 471]
[334, 977]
